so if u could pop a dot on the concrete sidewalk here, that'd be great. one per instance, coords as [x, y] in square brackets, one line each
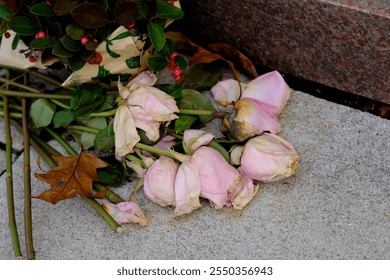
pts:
[337, 205]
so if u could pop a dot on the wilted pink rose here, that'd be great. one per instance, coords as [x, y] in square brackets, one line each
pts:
[253, 117]
[126, 212]
[269, 88]
[268, 158]
[126, 135]
[187, 189]
[219, 180]
[247, 192]
[194, 138]
[145, 78]
[159, 181]
[227, 91]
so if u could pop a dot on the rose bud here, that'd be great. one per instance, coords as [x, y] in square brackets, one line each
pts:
[268, 158]
[253, 117]
[194, 138]
[159, 181]
[187, 189]
[219, 180]
[126, 212]
[227, 91]
[269, 88]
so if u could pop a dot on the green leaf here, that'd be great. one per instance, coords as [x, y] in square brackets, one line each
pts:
[184, 122]
[4, 12]
[22, 25]
[194, 100]
[75, 31]
[168, 11]
[42, 9]
[168, 48]
[86, 99]
[90, 15]
[200, 77]
[60, 51]
[55, 28]
[157, 62]
[181, 62]
[114, 174]
[102, 72]
[70, 44]
[157, 35]
[42, 43]
[15, 41]
[133, 62]
[122, 36]
[174, 91]
[87, 139]
[75, 63]
[42, 112]
[63, 118]
[105, 139]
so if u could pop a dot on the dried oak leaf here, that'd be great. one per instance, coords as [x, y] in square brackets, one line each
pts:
[73, 175]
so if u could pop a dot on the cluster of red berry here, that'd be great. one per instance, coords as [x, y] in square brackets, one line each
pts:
[174, 68]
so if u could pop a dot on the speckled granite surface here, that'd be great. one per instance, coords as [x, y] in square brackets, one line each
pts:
[344, 44]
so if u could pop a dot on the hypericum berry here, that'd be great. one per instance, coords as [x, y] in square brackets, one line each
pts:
[40, 34]
[32, 58]
[7, 35]
[84, 40]
[131, 25]
[173, 55]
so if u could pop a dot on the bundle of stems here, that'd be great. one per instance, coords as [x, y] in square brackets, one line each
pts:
[24, 93]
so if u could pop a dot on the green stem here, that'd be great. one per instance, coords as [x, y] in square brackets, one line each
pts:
[110, 195]
[68, 148]
[83, 128]
[156, 150]
[12, 106]
[12, 115]
[16, 84]
[214, 144]
[34, 95]
[196, 112]
[60, 104]
[103, 114]
[45, 77]
[135, 159]
[28, 230]
[9, 181]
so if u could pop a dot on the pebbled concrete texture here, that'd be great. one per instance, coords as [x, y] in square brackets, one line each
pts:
[335, 207]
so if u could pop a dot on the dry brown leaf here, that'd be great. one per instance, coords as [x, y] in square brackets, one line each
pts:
[73, 175]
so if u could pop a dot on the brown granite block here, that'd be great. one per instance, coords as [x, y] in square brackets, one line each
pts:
[344, 44]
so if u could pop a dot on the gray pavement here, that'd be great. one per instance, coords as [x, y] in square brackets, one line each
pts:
[336, 206]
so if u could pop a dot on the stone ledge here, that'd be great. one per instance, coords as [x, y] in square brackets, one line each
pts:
[343, 44]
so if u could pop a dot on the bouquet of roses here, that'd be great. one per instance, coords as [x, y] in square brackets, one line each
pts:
[138, 109]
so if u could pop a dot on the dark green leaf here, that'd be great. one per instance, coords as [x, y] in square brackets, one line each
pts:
[90, 15]
[122, 36]
[168, 48]
[71, 44]
[126, 12]
[86, 54]
[15, 41]
[102, 72]
[114, 174]
[174, 91]
[4, 12]
[184, 122]
[133, 62]
[63, 7]
[60, 51]
[199, 77]
[105, 139]
[55, 28]
[22, 25]
[42, 43]
[42, 9]
[157, 62]
[194, 100]
[74, 31]
[168, 11]
[86, 99]
[157, 35]
[87, 139]
[91, 45]
[75, 63]
[62, 118]
[42, 112]
[181, 62]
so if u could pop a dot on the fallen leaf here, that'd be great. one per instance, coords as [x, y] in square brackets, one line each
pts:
[72, 176]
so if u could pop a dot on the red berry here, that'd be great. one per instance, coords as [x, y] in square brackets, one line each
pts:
[131, 25]
[32, 58]
[40, 34]
[84, 40]
[7, 35]
[173, 55]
